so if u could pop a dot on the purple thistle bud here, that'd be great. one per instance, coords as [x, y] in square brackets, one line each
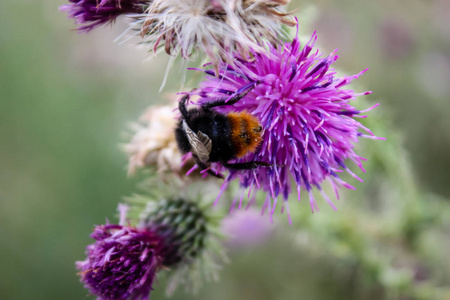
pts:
[309, 124]
[93, 13]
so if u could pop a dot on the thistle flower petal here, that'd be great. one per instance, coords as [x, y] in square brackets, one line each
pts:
[309, 124]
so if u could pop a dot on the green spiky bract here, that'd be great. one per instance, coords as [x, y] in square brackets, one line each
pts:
[190, 230]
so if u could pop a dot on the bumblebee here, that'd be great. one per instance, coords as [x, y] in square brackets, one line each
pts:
[214, 137]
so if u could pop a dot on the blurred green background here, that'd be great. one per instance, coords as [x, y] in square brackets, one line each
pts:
[66, 100]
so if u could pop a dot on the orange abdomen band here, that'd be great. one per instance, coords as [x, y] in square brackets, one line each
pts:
[245, 133]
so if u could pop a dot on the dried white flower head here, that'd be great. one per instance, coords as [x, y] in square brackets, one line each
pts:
[153, 143]
[215, 27]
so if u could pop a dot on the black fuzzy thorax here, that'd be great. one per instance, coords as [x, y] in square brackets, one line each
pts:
[216, 126]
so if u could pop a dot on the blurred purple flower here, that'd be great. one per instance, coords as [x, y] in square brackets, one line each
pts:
[123, 261]
[309, 125]
[93, 13]
[246, 228]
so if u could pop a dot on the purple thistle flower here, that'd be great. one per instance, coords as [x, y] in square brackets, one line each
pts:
[309, 126]
[122, 263]
[94, 13]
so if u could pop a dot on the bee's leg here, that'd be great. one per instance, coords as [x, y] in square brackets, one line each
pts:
[230, 101]
[218, 175]
[204, 166]
[182, 106]
[247, 165]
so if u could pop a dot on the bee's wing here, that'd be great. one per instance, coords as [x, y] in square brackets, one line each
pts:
[206, 141]
[200, 143]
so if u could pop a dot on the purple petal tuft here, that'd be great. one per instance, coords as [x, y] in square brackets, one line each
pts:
[93, 13]
[122, 263]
